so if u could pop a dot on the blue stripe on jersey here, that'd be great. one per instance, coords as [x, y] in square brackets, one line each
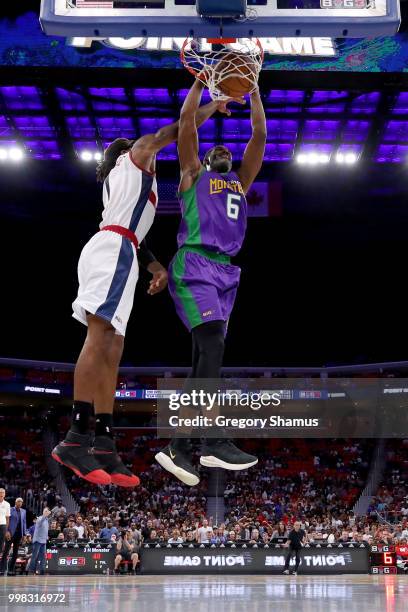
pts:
[119, 280]
[147, 182]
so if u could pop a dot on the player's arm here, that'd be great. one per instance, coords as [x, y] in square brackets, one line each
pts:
[148, 261]
[190, 163]
[150, 144]
[255, 149]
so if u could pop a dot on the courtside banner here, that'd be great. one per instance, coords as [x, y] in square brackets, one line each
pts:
[86, 560]
[240, 560]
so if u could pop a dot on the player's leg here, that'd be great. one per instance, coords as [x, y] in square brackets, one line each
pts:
[75, 451]
[220, 451]
[118, 560]
[135, 559]
[287, 561]
[6, 550]
[12, 563]
[297, 561]
[104, 302]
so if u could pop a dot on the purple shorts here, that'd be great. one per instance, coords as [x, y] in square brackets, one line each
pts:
[203, 286]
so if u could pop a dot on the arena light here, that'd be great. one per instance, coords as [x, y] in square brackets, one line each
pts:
[98, 156]
[16, 154]
[350, 158]
[86, 156]
[3, 154]
[313, 158]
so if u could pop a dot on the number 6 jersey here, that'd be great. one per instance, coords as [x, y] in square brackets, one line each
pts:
[214, 212]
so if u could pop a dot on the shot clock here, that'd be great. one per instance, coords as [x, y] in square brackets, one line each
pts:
[383, 559]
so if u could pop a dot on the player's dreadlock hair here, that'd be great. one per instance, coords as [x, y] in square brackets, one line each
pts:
[110, 157]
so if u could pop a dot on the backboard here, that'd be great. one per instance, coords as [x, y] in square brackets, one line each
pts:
[264, 18]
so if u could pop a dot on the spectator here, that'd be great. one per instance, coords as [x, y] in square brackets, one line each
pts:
[107, 532]
[175, 538]
[53, 531]
[17, 529]
[4, 518]
[203, 533]
[70, 532]
[39, 542]
[127, 550]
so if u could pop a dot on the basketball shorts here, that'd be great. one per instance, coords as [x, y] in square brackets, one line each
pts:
[108, 272]
[203, 286]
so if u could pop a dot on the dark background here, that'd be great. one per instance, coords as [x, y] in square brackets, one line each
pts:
[324, 283]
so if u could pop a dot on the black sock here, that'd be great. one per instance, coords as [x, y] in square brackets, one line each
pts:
[104, 425]
[81, 412]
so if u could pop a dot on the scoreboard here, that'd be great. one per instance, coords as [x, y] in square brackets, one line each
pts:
[383, 559]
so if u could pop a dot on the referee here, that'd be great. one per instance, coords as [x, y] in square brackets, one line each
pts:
[295, 541]
[4, 518]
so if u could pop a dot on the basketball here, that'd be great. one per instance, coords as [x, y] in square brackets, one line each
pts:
[240, 70]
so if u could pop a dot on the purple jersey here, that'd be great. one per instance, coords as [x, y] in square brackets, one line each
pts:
[214, 213]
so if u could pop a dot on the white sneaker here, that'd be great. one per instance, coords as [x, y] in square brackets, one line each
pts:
[286, 572]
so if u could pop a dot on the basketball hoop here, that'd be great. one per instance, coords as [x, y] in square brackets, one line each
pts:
[232, 59]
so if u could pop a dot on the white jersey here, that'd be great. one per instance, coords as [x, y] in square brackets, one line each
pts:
[108, 268]
[129, 197]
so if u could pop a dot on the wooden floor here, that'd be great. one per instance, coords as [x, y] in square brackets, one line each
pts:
[360, 593]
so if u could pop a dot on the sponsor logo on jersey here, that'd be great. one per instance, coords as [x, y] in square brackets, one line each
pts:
[207, 313]
[218, 185]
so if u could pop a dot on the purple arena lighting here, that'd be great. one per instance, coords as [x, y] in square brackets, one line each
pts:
[279, 152]
[208, 130]
[285, 101]
[70, 101]
[22, 98]
[355, 130]
[80, 127]
[115, 127]
[327, 102]
[110, 98]
[401, 104]
[169, 153]
[5, 129]
[319, 148]
[282, 129]
[365, 104]
[34, 126]
[43, 149]
[395, 131]
[236, 129]
[151, 125]
[392, 153]
[320, 130]
[182, 95]
[152, 97]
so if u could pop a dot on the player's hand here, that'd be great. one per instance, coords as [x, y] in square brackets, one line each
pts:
[8, 535]
[158, 282]
[222, 105]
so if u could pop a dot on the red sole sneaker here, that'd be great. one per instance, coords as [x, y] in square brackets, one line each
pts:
[98, 477]
[121, 480]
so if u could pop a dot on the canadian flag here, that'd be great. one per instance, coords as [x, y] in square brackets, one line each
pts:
[265, 199]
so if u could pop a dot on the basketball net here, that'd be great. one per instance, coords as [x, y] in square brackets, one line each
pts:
[230, 58]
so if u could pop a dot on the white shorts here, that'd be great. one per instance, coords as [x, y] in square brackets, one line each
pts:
[108, 271]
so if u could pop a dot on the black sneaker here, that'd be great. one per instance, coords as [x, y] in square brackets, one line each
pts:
[75, 452]
[176, 459]
[224, 454]
[104, 450]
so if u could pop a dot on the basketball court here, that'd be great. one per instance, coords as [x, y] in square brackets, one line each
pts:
[224, 593]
